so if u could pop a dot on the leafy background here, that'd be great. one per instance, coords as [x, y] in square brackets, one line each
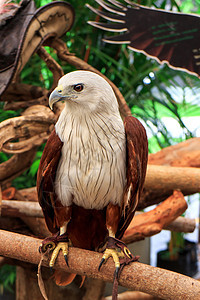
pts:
[152, 91]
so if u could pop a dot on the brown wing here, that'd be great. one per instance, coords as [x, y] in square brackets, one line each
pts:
[167, 36]
[45, 180]
[137, 156]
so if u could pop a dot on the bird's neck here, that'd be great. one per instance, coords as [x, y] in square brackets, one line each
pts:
[81, 122]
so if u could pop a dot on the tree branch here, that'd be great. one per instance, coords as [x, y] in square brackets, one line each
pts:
[184, 154]
[152, 222]
[161, 181]
[157, 282]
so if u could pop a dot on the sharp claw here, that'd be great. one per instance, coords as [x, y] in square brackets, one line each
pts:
[117, 272]
[51, 270]
[66, 260]
[101, 263]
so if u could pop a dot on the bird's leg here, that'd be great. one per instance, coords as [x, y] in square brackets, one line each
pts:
[63, 244]
[60, 240]
[115, 248]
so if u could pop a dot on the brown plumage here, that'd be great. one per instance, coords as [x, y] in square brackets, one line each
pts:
[67, 165]
[86, 224]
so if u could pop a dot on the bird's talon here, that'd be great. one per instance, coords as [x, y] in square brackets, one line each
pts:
[51, 270]
[66, 260]
[101, 263]
[116, 272]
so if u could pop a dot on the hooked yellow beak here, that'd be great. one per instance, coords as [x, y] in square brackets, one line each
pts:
[56, 96]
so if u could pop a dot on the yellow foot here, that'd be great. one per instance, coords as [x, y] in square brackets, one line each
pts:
[116, 254]
[60, 246]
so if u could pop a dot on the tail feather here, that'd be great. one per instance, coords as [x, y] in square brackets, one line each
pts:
[63, 278]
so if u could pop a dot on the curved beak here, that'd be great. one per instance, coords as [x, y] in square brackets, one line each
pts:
[55, 96]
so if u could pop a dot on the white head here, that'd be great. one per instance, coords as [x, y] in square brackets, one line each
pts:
[85, 90]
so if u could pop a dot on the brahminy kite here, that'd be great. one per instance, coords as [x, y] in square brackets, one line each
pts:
[92, 170]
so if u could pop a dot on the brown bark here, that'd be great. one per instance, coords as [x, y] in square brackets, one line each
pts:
[64, 54]
[21, 208]
[143, 225]
[52, 65]
[182, 224]
[16, 165]
[157, 282]
[25, 126]
[133, 295]
[185, 154]
[161, 181]
[152, 222]
[22, 92]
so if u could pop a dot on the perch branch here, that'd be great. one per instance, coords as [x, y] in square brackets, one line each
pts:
[133, 295]
[155, 281]
[152, 222]
[161, 181]
[64, 54]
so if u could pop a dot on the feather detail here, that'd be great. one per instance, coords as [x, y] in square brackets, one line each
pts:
[169, 37]
[63, 278]
[137, 156]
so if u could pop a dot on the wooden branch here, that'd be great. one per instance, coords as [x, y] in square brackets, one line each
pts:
[182, 224]
[157, 282]
[133, 295]
[21, 208]
[26, 126]
[64, 54]
[44, 100]
[143, 225]
[25, 145]
[16, 165]
[18, 91]
[52, 65]
[161, 181]
[152, 222]
[184, 154]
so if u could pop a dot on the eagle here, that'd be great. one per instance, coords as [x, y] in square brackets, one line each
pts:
[92, 169]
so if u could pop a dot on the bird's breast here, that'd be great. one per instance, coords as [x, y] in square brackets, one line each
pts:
[91, 171]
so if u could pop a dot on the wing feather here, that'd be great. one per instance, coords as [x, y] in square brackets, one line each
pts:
[137, 156]
[169, 37]
[45, 180]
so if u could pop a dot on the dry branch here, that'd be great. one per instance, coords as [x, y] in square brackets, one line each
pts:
[143, 225]
[184, 154]
[16, 165]
[133, 295]
[152, 222]
[157, 282]
[64, 54]
[22, 92]
[26, 126]
[182, 224]
[21, 208]
[52, 65]
[161, 181]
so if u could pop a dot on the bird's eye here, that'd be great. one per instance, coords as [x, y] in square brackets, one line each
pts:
[78, 87]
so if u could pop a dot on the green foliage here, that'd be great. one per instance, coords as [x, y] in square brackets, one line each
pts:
[7, 277]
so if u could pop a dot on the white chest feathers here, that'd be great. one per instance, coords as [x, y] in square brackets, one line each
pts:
[92, 169]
